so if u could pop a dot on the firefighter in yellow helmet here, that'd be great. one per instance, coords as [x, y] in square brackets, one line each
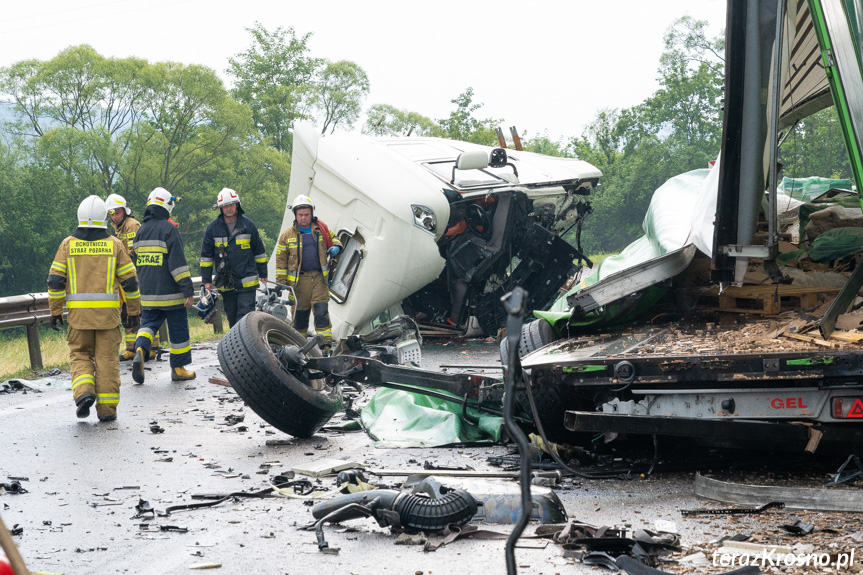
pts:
[125, 228]
[87, 274]
[301, 261]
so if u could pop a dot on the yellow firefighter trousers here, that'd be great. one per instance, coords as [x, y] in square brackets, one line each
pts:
[313, 293]
[95, 366]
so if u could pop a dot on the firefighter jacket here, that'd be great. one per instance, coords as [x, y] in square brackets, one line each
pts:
[162, 269]
[126, 231]
[289, 253]
[241, 251]
[86, 275]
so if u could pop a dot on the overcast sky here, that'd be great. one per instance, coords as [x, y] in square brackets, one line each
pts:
[541, 65]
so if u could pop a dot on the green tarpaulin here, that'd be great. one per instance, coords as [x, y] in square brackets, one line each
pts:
[396, 418]
[836, 243]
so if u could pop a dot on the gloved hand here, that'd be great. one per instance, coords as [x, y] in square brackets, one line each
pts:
[334, 251]
[133, 322]
[55, 320]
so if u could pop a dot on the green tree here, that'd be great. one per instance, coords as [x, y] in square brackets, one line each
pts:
[274, 78]
[81, 109]
[38, 213]
[190, 121]
[86, 124]
[600, 144]
[676, 129]
[542, 144]
[464, 126]
[338, 94]
[815, 147]
[386, 120]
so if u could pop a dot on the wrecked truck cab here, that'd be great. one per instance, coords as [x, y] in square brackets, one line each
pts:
[439, 228]
[434, 228]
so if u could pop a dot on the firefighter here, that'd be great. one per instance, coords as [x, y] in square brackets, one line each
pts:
[87, 274]
[301, 261]
[233, 248]
[166, 287]
[125, 228]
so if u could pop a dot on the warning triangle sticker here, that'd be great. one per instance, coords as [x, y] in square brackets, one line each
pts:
[856, 409]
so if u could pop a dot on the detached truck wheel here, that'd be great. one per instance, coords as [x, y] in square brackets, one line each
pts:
[293, 402]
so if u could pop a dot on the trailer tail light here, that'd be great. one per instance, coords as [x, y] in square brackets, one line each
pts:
[848, 408]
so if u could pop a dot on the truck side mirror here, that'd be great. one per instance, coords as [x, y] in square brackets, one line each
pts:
[497, 158]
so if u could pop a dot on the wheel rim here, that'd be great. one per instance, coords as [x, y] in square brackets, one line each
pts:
[278, 340]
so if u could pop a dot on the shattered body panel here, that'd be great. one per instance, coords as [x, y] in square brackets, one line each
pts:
[446, 243]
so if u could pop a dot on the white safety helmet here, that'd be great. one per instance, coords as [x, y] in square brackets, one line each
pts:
[115, 202]
[92, 213]
[227, 197]
[302, 201]
[162, 197]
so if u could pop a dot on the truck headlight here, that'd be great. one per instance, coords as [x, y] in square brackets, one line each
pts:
[424, 218]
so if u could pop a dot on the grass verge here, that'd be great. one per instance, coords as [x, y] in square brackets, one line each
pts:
[15, 359]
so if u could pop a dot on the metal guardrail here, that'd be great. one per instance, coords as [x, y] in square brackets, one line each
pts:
[29, 310]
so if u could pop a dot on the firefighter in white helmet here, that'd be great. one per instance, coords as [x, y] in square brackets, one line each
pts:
[87, 274]
[301, 261]
[125, 228]
[166, 287]
[233, 258]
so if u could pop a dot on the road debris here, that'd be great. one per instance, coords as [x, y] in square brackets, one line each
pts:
[395, 509]
[733, 510]
[144, 508]
[326, 466]
[845, 475]
[822, 499]
[154, 527]
[14, 487]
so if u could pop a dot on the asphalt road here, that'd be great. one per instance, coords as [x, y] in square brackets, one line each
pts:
[84, 479]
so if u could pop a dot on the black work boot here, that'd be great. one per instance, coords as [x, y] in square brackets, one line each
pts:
[107, 418]
[84, 403]
[138, 366]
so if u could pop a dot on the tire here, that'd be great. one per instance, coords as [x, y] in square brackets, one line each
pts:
[283, 400]
[551, 403]
[534, 335]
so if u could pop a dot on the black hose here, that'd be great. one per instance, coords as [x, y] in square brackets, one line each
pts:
[386, 496]
[514, 303]
[424, 514]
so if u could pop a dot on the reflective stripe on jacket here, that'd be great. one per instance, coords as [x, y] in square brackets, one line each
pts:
[87, 276]
[247, 257]
[164, 275]
[126, 232]
[289, 252]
